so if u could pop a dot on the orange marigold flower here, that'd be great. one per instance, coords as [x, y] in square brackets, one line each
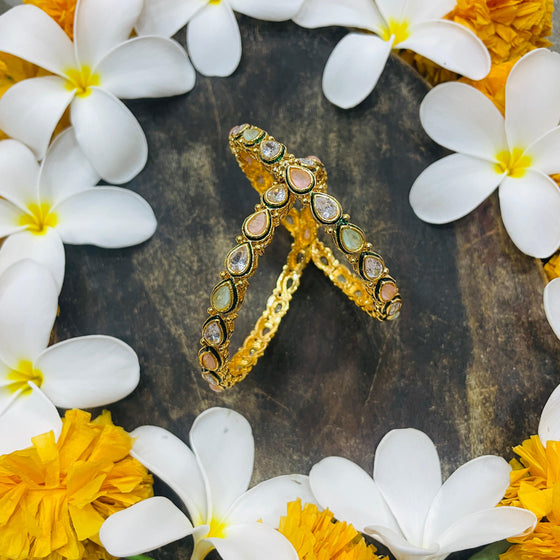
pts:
[317, 536]
[535, 485]
[508, 28]
[62, 11]
[54, 496]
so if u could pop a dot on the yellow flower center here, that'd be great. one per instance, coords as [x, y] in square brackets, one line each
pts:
[514, 163]
[317, 536]
[81, 80]
[21, 377]
[217, 529]
[214, 2]
[39, 219]
[400, 29]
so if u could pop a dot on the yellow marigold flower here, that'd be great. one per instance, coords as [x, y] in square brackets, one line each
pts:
[317, 536]
[535, 485]
[508, 28]
[54, 496]
[62, 11]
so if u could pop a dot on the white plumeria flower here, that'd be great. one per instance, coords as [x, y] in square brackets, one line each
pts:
[551, 298]
[406, 507]
[212, 481]
[77, 373]
[213, 38]
[356, 63]
[90, 74]
[42, 207]
[516, 153]
[549, 424]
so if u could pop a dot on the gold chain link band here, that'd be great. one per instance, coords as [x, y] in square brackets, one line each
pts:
[293, 193]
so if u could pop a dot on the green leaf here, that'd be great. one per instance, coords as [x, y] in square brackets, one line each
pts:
[492, 551]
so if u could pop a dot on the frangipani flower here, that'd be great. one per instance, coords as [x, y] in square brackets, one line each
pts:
[213, 38]
[212, 481]
[90, 74]
[405, 505]
[42, 207]
[551, 298]
[356, 63]
[516, 153]
[81, 372]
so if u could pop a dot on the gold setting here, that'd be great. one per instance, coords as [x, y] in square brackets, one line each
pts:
[282, 180]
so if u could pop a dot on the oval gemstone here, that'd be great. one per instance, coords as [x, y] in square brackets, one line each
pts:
[351, 238]
[300, 179]
[276, 196]
[236, 130]
[209, 361]
[257, 225]
[388, 291]
[210, 379]
[223, 296]
[372, 267]
[270, 150]
[326, 208]
[238, 260]
[212, 333]
[394, 308]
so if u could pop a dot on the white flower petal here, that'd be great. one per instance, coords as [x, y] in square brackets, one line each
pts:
[549, 424]
[46, 249]
[353, 68]
[109, 217]
[415, 11]
[267, 501]
[552, 309]
[88, 371]
[30, 110]
[29, 415]
[451, 45]
[28, 305]
[166, 456]
[214, 41]
[398, 545]
[254, 542]
[407, 472]
[484, 527]
[269, 11]
[28, 32]
[223, 437]
[451, 187]
[545, 152]
[530, 207]
[144, 526]
[65, 169]
[19, 173]
[362, 14]
[10, 216]
[487, 479]
[350, 493]
[95, 33]
[147, 67]
[464, 120]
[166, 17]
[109, 135]
[532, 111]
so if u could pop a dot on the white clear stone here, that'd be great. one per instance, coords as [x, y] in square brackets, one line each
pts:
[326, 208]
[372, 267]
[251, 134]
[276, 194]
[238, 259]
[270, 149]
[212, 333]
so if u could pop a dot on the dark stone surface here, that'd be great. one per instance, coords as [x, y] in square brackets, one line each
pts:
[471, 360]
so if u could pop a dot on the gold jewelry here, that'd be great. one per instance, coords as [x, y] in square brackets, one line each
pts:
[282, 180]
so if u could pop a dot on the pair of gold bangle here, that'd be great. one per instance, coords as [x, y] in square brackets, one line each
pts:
[282, 180]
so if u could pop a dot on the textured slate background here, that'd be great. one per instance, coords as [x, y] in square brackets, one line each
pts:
[471, 360]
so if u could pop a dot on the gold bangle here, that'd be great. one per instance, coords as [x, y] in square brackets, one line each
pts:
[282, 180]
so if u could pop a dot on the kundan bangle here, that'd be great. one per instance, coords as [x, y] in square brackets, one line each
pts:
[282, 180]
